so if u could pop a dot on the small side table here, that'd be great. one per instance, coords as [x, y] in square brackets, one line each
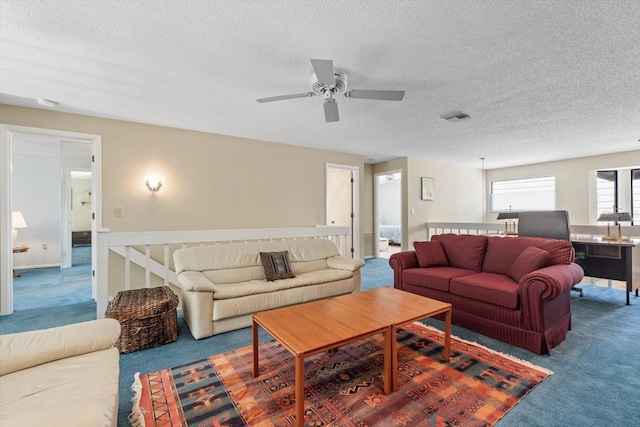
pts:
[19, 250]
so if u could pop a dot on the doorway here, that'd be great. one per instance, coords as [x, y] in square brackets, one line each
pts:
[342, 184]
[76, 269]
[387, 213]
[76, 211]
[36, 180]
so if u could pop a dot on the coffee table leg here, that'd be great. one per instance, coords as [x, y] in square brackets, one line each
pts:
[447, 337]
[391, 372]
[255, 349]
[299, 391]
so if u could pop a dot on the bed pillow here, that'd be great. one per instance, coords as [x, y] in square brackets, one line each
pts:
[276, 265]
[430, 254]
[529, 260]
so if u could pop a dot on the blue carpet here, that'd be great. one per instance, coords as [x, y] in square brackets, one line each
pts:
[47, 317]
[596, 381]
[54, 286]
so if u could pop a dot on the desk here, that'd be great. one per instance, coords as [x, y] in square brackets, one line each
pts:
[611, 260]
[19, 250]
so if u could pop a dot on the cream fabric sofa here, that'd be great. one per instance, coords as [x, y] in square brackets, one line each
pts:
[65, 376]
[224, 284]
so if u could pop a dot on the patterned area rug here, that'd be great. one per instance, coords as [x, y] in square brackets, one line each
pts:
[343, 388]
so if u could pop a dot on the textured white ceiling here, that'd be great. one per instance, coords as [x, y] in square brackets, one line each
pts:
[542, 80]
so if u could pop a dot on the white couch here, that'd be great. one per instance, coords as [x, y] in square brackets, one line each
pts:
[65, 376]
[224, 284]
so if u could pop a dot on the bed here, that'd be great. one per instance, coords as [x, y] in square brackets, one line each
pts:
[391, 232]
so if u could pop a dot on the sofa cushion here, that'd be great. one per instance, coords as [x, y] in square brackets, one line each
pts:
[560, 251]
[255, 287]
[433, 277]
[342, 263]
[430, 254]
[488, 287]
[463, 250]
[276, 265]
[235, 313]
[502, 252]
[27, 349]
[74, 391]
[529, 260]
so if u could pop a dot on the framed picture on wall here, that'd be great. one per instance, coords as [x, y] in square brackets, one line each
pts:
[427, 188]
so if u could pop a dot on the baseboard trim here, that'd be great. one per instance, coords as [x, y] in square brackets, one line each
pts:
[29, 267]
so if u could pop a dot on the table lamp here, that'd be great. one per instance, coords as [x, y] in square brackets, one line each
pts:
[616, 218]
[17, 221]
[509, 226]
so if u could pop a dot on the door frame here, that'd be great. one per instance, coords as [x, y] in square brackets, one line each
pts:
[355, 202]
[7, 133]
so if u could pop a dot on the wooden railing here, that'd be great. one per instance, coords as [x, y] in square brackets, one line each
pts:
[577, 231]
[463, 228]
[153, 251]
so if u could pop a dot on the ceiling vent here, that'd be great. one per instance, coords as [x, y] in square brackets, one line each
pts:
[456, 117]
[46, 102]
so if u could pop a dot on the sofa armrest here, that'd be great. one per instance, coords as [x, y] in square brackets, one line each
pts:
[195, 281]
[27, 349]
[543, 285]
[402, 261]
[342, 263]
[549, 282]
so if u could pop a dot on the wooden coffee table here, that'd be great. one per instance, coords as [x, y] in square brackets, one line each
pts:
[314, 327]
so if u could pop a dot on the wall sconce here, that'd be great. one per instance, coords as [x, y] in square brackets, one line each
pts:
[153, 183]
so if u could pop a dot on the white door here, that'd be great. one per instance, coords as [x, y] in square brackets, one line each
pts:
[342, 202]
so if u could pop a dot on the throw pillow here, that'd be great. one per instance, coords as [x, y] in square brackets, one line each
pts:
[276, 265]
[463, 250]
[430, 254]
[529, 260]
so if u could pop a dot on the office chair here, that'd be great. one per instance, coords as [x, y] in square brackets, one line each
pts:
[549, 224]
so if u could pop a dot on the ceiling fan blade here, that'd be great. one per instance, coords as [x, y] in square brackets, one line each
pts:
[331, 111]
[283, 97]
[324, 71]
[383, 95]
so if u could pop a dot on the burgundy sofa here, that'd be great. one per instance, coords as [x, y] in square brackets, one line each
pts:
[514, 289]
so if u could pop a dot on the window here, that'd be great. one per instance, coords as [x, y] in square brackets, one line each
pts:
[528, 194]
[607, 191]
[635, 195]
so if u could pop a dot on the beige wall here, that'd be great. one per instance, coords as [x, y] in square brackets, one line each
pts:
[575, 181]
[209, 181]
[457, 196]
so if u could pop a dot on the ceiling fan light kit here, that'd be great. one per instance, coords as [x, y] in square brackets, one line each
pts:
[328, 81]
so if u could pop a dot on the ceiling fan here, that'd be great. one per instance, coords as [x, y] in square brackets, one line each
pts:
[328, 82]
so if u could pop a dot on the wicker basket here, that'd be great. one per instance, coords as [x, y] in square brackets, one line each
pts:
[147, 317]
